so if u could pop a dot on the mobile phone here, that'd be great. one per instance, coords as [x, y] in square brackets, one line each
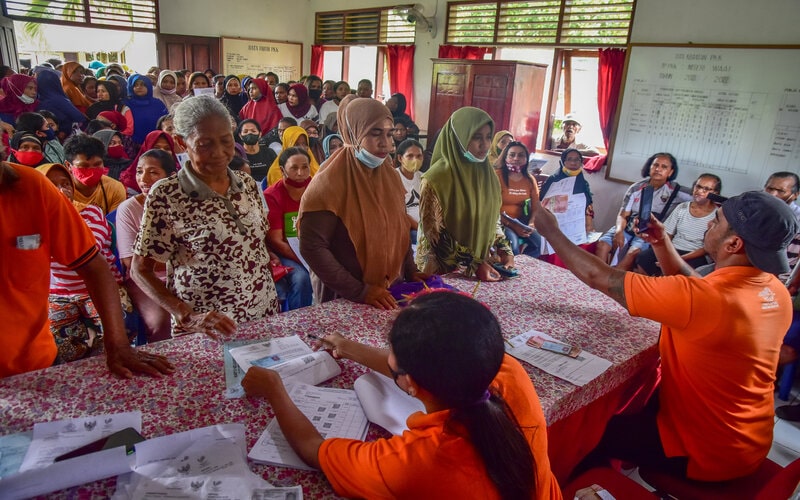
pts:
[127, 437]
[645, 208]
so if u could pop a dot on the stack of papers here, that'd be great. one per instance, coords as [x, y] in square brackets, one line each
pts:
[201, 463]
[333, 412]
[292, 358]
[580, 371]
[39, 474]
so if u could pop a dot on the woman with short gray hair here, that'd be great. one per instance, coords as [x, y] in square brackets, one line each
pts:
[209, 225]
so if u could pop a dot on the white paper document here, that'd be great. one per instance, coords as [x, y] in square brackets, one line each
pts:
[384, 403]
[578, 371]
[333, 412]
[292, 358]
[207, 463]
[40, 475]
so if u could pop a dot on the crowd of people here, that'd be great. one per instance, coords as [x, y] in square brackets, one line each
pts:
[202, 201]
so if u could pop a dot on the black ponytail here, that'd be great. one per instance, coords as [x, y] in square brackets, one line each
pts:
[451, 345]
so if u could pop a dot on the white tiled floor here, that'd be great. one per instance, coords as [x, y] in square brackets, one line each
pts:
[786, 435]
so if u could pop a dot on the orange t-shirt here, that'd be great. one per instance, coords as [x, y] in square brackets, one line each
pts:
[720, 339]
[428, 462]
[515, 193]
[38, 223]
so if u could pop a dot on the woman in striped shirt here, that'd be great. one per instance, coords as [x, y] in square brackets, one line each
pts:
[74, 321]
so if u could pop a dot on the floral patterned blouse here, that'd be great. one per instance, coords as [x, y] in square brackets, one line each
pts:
[214, 245]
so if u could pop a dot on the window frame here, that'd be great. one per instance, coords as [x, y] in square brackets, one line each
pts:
[86, 21]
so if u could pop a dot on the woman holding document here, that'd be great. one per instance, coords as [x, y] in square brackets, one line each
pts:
[483, 434]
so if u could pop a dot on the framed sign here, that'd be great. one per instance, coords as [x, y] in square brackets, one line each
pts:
[730, 111]
[241, 56]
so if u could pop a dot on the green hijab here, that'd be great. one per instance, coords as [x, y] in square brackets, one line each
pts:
[469, 193]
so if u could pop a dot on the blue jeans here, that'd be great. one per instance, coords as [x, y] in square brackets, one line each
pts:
[295, 288]
[533, 242]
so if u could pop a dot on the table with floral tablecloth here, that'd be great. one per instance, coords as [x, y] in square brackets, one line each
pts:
[544, 297]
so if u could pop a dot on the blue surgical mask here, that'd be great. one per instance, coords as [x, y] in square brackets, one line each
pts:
[49, 134]
[369, 159]
[469, 156]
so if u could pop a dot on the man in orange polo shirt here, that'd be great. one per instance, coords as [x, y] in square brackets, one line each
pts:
[712, 417]
[39, 223]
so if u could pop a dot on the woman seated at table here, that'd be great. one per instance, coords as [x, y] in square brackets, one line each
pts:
[517, 187]
[354, 232]
[283, 200]
[209, 224]
[483, 432]
[153, 165]
[566, 193]
[460, 202]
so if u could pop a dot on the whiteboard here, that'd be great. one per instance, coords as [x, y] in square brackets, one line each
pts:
[241, 56]
[730, 111]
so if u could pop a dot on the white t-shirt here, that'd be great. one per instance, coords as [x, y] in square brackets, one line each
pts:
[687, 230]
[311, 114]
[412, 187]
[327, 108]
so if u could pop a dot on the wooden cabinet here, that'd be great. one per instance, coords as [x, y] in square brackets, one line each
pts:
[511, 92]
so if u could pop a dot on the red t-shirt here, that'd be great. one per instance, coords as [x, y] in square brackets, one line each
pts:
[38, 224]
[428, 462]
[280, 205]
[720, 339]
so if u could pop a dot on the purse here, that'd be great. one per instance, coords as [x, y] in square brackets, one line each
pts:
[279, 271]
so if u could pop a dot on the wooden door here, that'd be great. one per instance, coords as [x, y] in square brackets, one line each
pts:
[491, 89]
[195, 53]
[448, 93]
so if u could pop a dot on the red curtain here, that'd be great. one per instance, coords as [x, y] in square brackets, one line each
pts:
[317, 58]
[609, 81]
[401, 73]
[462, 52]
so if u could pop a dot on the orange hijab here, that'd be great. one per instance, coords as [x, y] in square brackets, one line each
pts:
[370, 202]
[74, 92]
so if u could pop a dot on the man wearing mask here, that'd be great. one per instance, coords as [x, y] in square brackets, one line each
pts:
[314, 85]
[84, 158]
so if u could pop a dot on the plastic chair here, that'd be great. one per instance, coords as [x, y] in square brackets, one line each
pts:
[769, 482]
[612, 481]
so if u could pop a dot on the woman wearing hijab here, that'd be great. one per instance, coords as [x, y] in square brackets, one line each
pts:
[116, 159]
[71, 80]
[165, 91]
[354, 232]
[261, 107]
[231, 95]
[53, 99]
[460, 202]
[292, 136]
[331, 143]
[499, 143]
[26, 149]
[157, 139]
[108, 100]
[397, 105]
[145, 109]
[298, 105]
[20, 97]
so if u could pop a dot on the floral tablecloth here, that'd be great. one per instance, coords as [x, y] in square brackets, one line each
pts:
[544, 297]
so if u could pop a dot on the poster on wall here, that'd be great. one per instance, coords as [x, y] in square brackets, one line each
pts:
[730, 111]
[242, 56]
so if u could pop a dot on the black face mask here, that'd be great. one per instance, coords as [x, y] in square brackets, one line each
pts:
[250, 139]
[315, 94]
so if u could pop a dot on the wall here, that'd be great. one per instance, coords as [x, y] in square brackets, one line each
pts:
[656, 21]
[256, 19]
